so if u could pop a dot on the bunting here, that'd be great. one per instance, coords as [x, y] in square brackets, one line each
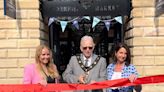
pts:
[63, 25]
[107, 24]
[95, 21]
[51, 20]
[87, 17]
[75, 21]
[118, 19]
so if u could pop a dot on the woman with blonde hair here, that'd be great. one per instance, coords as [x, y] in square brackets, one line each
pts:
[43, 71]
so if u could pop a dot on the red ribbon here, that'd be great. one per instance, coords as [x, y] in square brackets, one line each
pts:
[65, 86]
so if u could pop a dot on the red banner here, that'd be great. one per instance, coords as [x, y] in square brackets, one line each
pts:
[65, 86]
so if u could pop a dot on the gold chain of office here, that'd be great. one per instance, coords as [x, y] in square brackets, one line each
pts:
[83, 66]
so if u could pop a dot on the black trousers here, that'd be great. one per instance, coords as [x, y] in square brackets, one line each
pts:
[115, 90]
[97, 90]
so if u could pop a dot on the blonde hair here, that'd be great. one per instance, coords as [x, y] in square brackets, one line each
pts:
[50, 65]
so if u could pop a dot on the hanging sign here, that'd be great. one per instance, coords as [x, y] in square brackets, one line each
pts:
[59, 8]
[159, 7]
[10, 8]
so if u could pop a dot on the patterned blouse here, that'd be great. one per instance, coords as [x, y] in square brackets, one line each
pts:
[125, 73]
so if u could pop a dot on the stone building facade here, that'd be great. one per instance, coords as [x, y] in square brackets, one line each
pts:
[18, 39]
[146, 39]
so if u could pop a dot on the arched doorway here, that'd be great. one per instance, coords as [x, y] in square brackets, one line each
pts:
[65, 44]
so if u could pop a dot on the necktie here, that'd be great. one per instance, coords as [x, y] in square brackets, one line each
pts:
[86, 63]
[86, 73]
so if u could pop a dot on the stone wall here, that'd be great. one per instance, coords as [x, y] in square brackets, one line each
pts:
[18, 39]
[147, 41]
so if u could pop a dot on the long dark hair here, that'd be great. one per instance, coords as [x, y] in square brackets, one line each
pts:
[116, 49]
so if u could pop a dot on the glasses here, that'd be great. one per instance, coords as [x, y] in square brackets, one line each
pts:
[85, 48]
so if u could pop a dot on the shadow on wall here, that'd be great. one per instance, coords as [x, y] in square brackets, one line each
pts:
[18, 18]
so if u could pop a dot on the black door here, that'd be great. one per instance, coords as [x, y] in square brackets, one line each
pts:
[67, 43]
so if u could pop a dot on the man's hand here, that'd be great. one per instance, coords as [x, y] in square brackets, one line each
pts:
[81, 79]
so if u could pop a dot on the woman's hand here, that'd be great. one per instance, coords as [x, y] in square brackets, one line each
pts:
[132, 77]
[43, 82]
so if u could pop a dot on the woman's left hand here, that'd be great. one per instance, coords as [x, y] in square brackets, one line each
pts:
[132, 77]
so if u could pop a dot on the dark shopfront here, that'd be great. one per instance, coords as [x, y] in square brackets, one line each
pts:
[65, 44]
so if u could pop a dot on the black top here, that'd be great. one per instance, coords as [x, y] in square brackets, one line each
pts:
[50, 79]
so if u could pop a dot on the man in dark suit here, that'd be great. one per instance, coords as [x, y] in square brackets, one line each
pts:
[86, 67]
